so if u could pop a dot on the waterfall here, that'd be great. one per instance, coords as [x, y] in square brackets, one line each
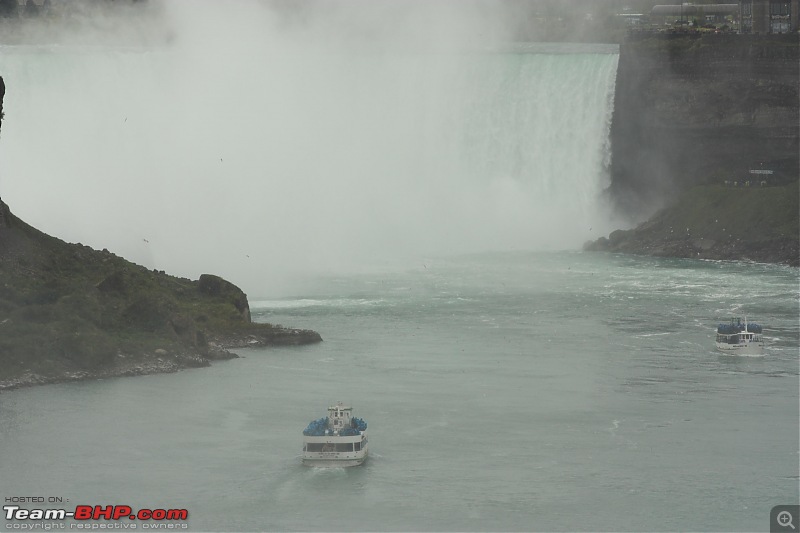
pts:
[249, 149]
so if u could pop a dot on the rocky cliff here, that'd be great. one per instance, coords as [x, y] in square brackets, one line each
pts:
[702, 109]
[696, 115]
[70, 312]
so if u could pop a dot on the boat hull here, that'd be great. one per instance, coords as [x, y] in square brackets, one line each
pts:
[333, 463]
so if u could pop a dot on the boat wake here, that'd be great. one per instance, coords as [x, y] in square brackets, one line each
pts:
[738, 355]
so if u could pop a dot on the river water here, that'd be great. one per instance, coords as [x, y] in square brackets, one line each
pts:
[507, 391]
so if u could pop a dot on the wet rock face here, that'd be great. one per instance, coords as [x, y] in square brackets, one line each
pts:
[693, 116]
[217, 287]
[695, 110]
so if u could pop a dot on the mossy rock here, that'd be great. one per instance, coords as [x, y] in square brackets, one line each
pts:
[67, 310]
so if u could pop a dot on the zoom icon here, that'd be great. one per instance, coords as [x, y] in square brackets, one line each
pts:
[784, 518]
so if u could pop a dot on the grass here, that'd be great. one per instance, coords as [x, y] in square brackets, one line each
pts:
[751, 213]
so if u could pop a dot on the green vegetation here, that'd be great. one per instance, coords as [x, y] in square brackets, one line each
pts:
[749, 213]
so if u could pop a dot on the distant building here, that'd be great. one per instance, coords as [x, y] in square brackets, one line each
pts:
[754, 16]
[769, 16]
[704, 13]
[14, 8]
[33, 3]
[633, 20]
[25, 7]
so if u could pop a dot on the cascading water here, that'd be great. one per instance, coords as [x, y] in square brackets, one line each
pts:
[252, 150]
[533, 144]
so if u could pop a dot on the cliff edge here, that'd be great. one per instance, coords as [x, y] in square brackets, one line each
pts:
[705, 135]
[70, 312]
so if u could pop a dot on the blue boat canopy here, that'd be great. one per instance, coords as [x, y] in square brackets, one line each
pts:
[737, 326]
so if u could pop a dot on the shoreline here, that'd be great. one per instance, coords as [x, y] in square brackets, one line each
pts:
[162, 362]
[785, 252]
[719, 223]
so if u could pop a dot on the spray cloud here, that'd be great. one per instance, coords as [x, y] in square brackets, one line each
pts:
[257, 140]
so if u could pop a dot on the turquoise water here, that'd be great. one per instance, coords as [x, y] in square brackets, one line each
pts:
[517, 391]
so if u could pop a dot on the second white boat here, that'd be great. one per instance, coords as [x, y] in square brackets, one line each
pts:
[740, 338]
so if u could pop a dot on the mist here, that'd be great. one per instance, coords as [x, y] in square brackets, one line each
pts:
[267, 141]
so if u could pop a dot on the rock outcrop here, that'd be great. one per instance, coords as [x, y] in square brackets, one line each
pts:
[69, 312]
[718, 222]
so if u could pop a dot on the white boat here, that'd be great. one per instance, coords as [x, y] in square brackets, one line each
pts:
[740, 338]
[340, 439]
